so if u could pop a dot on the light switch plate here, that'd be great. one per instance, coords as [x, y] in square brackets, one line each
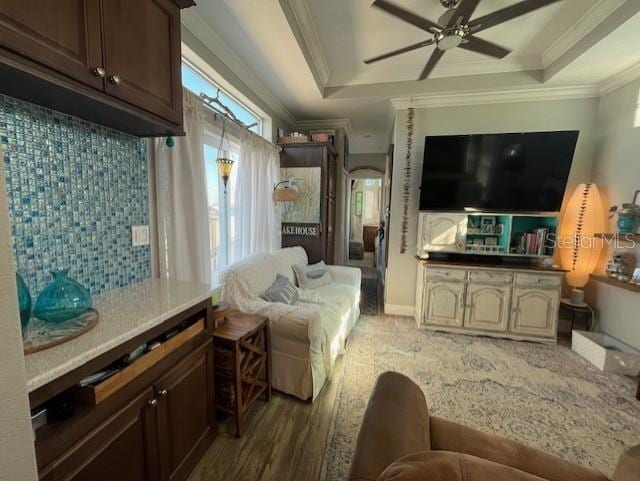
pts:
[140, 235]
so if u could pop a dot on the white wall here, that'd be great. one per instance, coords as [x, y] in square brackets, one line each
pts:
[507, 117]
[616, 171]
[17, 455]
[370, 161]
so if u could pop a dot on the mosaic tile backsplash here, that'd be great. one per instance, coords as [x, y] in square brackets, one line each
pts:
[75, 189]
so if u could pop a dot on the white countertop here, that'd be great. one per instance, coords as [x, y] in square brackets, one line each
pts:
[124, 314]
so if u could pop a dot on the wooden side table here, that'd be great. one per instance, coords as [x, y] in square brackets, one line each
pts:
[242, 347]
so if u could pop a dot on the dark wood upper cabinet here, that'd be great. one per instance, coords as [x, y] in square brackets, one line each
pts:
[142, 54]
[65, 38]
[113, 62]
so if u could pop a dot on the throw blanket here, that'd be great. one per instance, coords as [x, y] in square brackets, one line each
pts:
[240, 292]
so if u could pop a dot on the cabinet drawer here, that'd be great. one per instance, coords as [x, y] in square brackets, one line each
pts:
[490, 277]
[95, 394]
[448, 274]
[538, 280]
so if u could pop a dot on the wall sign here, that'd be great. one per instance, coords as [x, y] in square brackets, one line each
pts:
[301, 230]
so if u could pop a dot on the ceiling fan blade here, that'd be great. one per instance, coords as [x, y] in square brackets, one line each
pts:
[475, 44]
[393, 53]
[463, 12]
[407, 16]
[435, 58]
[506, 14]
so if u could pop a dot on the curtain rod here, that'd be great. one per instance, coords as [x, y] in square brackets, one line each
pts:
[226, 111]
[228, 114]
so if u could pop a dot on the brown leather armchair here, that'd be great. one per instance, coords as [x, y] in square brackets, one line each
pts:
[399, 441]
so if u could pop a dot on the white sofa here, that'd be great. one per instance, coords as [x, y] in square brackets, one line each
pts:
[306, 338]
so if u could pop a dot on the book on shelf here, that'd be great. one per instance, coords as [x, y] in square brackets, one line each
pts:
[535, 243]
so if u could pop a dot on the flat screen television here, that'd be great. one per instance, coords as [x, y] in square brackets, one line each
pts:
[514, 172]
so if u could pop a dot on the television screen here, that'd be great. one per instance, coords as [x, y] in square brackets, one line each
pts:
[519, 172]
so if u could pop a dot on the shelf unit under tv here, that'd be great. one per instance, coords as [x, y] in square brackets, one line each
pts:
[516, 235]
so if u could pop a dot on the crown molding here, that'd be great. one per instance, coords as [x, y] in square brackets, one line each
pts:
[620, 79]
[304, 29]
[344, 124]
[590, 20]
[201, 30]
[500, 97]
[444, 70]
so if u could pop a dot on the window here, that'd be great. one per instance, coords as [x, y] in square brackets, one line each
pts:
[198, 83]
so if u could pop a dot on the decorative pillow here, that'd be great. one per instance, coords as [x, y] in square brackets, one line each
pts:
[313, 275]
[282, 291]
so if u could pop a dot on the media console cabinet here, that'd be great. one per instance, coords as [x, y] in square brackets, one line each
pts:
[516, 300]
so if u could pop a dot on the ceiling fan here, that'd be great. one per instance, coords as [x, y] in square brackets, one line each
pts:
[456, 29]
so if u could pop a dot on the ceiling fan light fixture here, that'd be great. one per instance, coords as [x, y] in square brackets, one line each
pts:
[450, 38]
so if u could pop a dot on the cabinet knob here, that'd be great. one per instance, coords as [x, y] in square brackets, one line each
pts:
[99, 72]
[163, 392]
[152, 403]
[115, 80]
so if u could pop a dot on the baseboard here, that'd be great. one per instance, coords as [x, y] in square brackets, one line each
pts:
[398, 310]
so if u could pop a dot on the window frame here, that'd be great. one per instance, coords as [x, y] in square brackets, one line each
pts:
[207, 78]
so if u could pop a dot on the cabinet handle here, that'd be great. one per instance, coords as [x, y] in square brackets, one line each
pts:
[152, 403]
[163, 393]
[99, 72]
[115, 80]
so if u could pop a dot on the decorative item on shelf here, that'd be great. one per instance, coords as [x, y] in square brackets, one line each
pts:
[170, 142]
[487, 223]
[619, 266]
[294, 138]
[635, 279]
[407, 184]
[285, 191]
[628, 215]
[579, 249]
[323, 136]
[473, 222]
[24, 302]
[41, 335]
[63, 299]
[224, 160]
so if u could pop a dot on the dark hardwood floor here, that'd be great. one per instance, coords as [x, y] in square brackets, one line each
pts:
[284, 440]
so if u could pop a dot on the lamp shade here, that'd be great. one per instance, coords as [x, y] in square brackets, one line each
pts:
[579, 248]
[225, 165]
[285, 191]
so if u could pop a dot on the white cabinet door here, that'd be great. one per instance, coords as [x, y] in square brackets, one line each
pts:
[487, 307]
[443, 233]
[444, 303]
[535, 312]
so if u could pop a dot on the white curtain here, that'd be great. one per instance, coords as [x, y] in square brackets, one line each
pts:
[181, 201]
[255, 220]
[183, 249]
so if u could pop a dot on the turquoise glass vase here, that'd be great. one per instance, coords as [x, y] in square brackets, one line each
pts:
[63, 299]
[24, 301]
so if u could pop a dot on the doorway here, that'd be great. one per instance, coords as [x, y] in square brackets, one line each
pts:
[364, 220]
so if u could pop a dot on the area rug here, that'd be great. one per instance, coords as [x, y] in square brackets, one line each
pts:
[544, 396]
[369, 296]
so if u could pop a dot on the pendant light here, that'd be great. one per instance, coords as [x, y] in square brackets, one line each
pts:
[224, 160]
[579, 248]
